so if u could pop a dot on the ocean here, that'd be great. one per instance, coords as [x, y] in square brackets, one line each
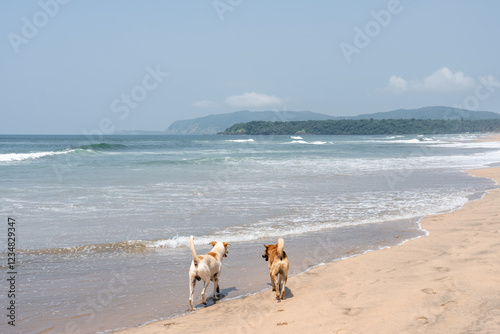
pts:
[102, 224]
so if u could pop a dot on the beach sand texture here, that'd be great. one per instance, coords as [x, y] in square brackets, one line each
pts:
[447, 282]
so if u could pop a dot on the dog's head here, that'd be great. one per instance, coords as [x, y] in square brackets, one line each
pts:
[266, 254]
[225, 244]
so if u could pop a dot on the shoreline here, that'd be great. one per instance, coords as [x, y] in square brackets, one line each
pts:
[419, 286]
[443, 282]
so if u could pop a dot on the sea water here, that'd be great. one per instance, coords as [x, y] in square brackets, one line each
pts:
[103, 224]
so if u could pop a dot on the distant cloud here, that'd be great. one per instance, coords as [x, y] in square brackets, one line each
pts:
[253, 100]
[397, 85]
[442, 81]
[205, 104]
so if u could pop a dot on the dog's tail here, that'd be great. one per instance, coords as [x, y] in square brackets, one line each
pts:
[281, 245]
[193, 251]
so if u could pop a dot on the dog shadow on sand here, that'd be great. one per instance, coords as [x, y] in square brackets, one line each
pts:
[288, 292]
[225, 292]
[221, 295]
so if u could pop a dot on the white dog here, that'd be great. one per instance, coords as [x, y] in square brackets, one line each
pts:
[207, 268]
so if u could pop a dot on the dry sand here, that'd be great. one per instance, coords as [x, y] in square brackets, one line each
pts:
[447, 282]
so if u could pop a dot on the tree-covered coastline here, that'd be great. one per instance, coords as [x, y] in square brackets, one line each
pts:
[364, 127]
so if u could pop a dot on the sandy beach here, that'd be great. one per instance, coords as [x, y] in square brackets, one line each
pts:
[446, 282]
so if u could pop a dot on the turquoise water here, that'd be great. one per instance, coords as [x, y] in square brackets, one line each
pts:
[104, 223]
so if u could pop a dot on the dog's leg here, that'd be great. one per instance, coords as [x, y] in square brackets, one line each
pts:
[279, 284]
[192, 284]
[283, 283]
[216, 288]
[276, 286]
[272, 281]
[203, 299]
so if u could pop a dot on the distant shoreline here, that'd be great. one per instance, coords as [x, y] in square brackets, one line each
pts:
[364, 127]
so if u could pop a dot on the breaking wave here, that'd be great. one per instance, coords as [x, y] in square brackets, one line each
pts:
[9, 157]
[240, 140]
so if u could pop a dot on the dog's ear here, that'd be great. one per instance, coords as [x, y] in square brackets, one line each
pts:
[212, 243]
[265, 256]
[225, 248]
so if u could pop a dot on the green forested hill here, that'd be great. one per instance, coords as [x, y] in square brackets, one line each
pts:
[214, 123]
[364, 127]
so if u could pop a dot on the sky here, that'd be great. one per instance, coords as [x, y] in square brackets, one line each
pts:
[99, 67]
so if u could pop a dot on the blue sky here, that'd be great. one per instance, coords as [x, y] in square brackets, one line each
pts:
[76, 67]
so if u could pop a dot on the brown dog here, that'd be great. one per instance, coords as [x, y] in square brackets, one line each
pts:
[278, 265]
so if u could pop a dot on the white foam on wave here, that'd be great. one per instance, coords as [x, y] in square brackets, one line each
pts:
[267, 229]
[308, 143]
[240, 140]
[460, 162]
[296, 137]
[421, 161]
[249, 234]
[413, 207]
[393, 137]
[492, 145]
[9, 157]
[420, 140]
